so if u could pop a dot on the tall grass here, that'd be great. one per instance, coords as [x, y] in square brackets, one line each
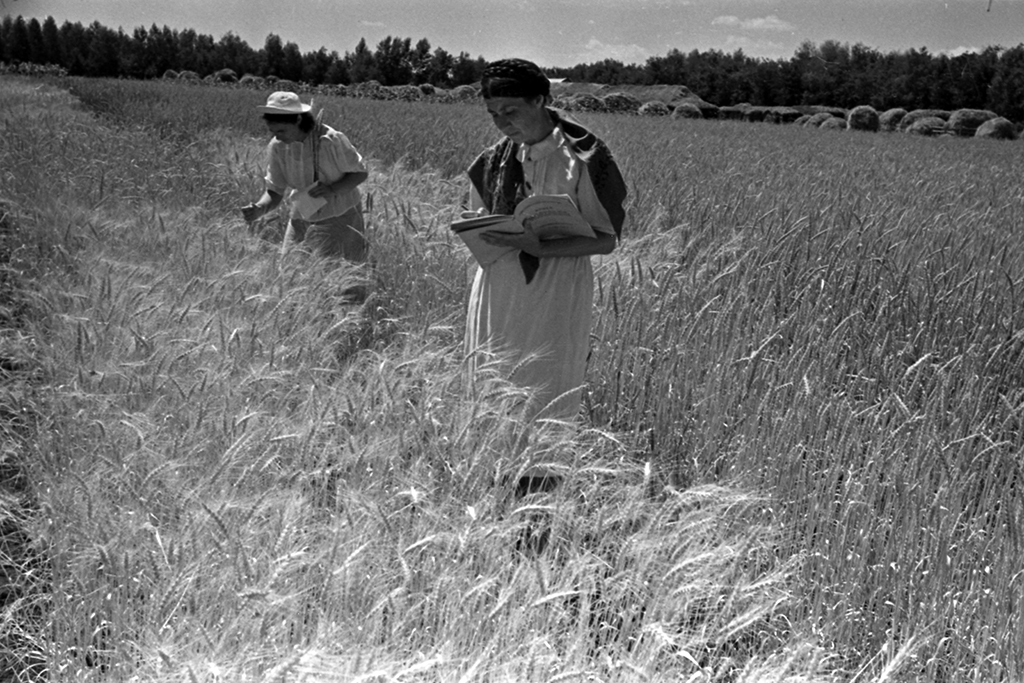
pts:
[802, 459]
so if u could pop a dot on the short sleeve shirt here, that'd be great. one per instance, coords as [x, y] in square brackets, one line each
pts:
[290, 166]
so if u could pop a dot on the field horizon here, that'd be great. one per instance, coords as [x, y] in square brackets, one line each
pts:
[799, 456]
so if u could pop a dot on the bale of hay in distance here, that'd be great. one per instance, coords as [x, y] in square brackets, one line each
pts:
[815, 120]
[781, 115]
[928, 126]
[404, 93]
[755, 114]
[998, 128]
[225, 76]
[464, 93]
[731, 113]
[964, 122]
[621, 102]
[584, 102]
[170, 74]
[188, 76]
[251, 81]
[707, 110]
[864, 117]
[654, 108]
[285, 84]
[833, 123]
[918, 114]
[889, 120]
[687, 110]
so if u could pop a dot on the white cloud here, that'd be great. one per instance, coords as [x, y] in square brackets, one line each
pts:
[957, 51]
[596, 51]
[768, 23]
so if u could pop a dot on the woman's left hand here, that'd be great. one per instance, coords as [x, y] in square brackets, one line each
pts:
[524, 241]
[320, 190]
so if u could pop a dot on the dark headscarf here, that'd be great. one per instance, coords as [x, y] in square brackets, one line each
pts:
[514, 78]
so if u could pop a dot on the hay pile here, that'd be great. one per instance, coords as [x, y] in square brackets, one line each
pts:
[916, 115]
[816, 120]
[251, 81]
[889, 120]
[707, 110]
[654, 109]
[687, 110]
[965, 122]
[369, 89]
[864, 117]
[833, 123]
[285, 84]
[224, 76]
[405, 93]
[781, 115]
[734, 113]
[755, 114]
[928, 126]
[998, 128]
[621, 103]
[580, 102]
[464, 93]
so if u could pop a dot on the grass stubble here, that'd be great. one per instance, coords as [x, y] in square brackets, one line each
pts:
[802, 452]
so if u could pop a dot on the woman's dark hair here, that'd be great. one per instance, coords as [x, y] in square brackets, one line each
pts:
[305, 120]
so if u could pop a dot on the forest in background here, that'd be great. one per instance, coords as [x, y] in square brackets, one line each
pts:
[832, 73]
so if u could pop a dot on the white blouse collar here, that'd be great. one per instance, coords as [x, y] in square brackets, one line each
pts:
[545, 147]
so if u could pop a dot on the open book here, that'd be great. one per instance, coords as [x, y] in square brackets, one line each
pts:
[546, 216]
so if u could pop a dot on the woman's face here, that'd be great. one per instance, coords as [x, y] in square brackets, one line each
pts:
[286, 132]
[524, 120]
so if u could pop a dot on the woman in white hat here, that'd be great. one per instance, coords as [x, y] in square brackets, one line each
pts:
[322, 171]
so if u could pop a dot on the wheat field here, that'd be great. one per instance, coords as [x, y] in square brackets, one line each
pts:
[800, 458]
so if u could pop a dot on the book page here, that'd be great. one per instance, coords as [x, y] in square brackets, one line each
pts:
[471, 230]
[307, 205]
[498, 222]
[553, 217]
[547, 216]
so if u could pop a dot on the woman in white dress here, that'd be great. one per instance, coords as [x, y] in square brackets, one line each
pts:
[535, 303]
[322, 170]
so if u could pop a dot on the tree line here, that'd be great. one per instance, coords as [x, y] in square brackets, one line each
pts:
[832, 73]
[98, 51]
[835, 74]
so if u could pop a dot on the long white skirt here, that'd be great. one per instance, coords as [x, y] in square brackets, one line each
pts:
[547, 321]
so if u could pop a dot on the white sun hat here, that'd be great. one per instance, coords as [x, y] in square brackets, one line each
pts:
[283, 103]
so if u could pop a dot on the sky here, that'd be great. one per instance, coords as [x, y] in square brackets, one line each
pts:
[568, 32]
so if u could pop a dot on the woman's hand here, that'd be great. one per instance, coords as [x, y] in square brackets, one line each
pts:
[320, 190]
[251, 212]
[524, 241]
[603, 243]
